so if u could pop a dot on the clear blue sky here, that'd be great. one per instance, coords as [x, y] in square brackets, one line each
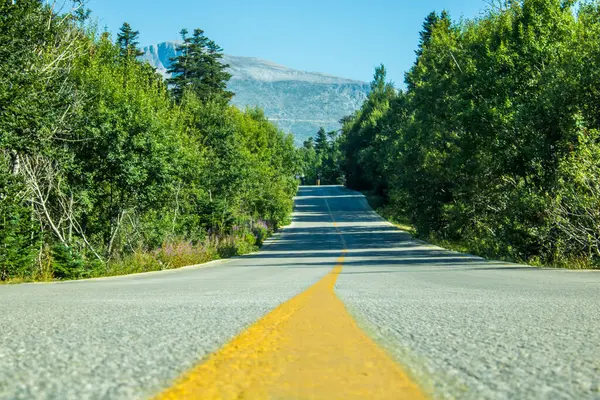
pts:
[344, 38]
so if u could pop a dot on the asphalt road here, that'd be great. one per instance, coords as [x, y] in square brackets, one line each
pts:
[462, 327]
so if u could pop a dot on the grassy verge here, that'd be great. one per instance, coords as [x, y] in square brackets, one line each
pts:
[378, 204]
[171, 255]
[178, 254]
[402, 222]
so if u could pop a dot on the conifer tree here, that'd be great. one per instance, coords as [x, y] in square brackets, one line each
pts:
[127, 39]
[198, 67]
[425, 34]
[321, 144]
[128, 48]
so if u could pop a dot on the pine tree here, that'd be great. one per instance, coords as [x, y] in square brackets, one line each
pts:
[425, 34]
[321, 144]
[216, 74]
[127, 41]
[378, 85]
[198, 67]
[128, 48]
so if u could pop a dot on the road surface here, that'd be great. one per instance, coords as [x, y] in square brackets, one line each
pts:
[455, 325]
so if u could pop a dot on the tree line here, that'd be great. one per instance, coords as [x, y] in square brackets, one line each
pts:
[320, 159]
[106, 168]
[495, 141]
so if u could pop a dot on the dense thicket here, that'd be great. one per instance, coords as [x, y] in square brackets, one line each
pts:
[99, 161]
[495, 142]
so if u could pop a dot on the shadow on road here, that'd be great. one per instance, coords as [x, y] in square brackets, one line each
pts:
[313, 241]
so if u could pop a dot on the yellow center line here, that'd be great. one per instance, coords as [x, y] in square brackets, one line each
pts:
[307, 348]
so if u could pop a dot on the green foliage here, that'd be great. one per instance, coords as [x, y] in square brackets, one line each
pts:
[19, 232]
[127, 40]
[101, 166]
[198, 68]
[364, 138]
[66, 263]
[494, 143]
[321, 159]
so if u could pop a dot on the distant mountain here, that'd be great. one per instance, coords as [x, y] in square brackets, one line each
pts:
[299, 102]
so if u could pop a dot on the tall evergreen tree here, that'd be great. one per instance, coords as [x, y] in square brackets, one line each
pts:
[425, 34]
[379, 84]
[198, 67]
[127, 40]
[321, 143]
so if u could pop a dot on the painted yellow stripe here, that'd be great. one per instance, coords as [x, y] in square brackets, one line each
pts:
[307, 348]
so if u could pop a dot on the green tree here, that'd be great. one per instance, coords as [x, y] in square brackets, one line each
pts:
[310, 161]
[127, 40]
[321, 142]
[198, 68]
[425, 34]
[19, 233]
[362, 138]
